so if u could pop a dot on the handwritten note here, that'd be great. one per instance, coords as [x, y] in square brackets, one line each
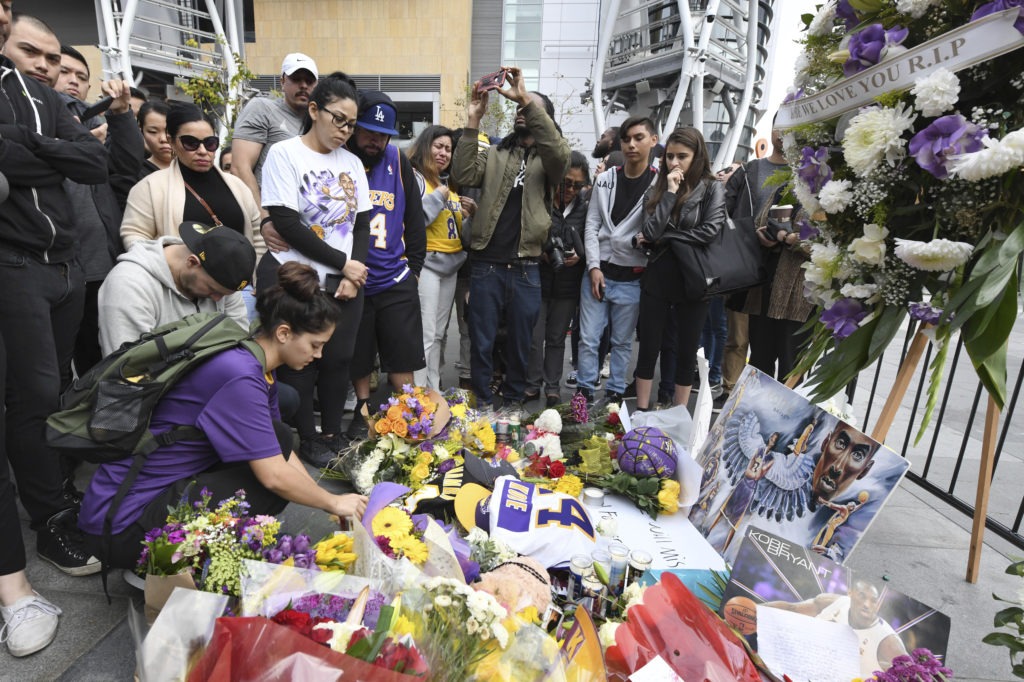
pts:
[806, 648]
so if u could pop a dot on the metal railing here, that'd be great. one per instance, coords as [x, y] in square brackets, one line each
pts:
[955, 427]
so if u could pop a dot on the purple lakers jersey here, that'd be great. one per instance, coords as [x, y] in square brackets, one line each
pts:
[385, 258]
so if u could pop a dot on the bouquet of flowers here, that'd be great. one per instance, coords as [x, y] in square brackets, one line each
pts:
[412, 413]
[921, 665]
[467, 426]
[398, 536]
[210, 543]
[914, 203]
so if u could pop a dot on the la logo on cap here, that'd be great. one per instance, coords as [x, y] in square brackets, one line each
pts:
[380, 114]
[201, 229]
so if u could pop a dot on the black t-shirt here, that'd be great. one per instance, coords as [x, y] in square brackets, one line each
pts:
[629, 192]
[504, 244]
[216, 193]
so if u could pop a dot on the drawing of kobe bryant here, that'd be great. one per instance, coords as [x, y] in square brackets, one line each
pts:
[330, 203]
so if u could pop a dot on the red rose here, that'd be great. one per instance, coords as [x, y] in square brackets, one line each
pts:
[296, 620]
[360, 634]
[556, 470]
[613, 419]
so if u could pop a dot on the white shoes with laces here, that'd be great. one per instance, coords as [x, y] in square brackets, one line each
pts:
[29, 624]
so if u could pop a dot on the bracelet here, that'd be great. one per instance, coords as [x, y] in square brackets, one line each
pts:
[266, 220]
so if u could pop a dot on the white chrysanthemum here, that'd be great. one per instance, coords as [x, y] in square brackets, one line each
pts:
[937, 92]
[800, 67]
[442, 601]
[836, 195]
[870, 249]
[606, 633]
[861, 291]
[823, 21]
[876, 134]
[805, 196]
[915, 8]
[938, 255]
[998, 157]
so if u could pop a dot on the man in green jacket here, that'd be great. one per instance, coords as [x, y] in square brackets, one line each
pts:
[509, 229]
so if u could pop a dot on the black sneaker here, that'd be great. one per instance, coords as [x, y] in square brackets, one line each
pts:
[630, 391]
[62, 544]
[357, 429]
[719, 403]
[665, 398]
[72, 495]
[552, 399]
[316, 452]
[612, 397]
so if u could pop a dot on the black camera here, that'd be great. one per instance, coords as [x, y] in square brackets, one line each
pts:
[555, 248]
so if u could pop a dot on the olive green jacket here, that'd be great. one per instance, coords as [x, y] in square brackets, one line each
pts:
[494, 170]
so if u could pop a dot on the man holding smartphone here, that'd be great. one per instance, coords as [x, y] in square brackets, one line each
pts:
[509, 230]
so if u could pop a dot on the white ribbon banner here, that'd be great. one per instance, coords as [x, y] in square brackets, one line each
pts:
[971, 44]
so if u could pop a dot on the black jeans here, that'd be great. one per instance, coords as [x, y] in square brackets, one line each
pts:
[775, 344]
[222, 480]
[40, 310]
[12, 559]
[689, 318]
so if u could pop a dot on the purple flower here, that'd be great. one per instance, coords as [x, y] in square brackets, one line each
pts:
[578, 404]
[814, 169]
[925, 313]
[284, 543]
[945, 137]
[415, 429]
[807, 231]
[793, 96]
[446, 466]
[407, 388]
[273, 556]
[843, 318]
[998, 6]
[845, 12]
[868, 45]
[301, 543]
[427, 446]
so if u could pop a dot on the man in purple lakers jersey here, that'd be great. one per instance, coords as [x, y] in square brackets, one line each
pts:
[509, 228]
[391, 322]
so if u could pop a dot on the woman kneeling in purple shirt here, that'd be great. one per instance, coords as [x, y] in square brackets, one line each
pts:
[232, 399]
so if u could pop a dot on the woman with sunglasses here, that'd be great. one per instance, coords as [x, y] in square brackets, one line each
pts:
[191, 188]
[431, 156]
[318, 197]
[561, 270]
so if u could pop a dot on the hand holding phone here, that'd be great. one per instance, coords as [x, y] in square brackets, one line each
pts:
[492, 81]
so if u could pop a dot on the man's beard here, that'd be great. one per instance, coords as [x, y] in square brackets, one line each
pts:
[601, 149]
[369, 161]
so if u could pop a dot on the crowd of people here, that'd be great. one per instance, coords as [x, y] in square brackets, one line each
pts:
[341, 252]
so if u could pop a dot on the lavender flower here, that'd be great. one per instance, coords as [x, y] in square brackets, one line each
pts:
[924, 312]
[814, 169]
[845, 12]
[945, 137]
[427, 446]
[843, 318]
[273, 556]
[446, 466]
[793, 96]
[807, 231]
[868, 46]
[578, 404]
[301, 543]
[998, 6]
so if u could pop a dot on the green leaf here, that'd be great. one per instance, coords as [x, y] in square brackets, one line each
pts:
[1003, 639]
[806, 19]
[987, 331]
[1009, 616]
[935, 372]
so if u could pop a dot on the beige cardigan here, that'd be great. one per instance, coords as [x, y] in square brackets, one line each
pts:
[157, 202]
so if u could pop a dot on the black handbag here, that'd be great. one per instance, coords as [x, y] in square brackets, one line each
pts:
[732, 262]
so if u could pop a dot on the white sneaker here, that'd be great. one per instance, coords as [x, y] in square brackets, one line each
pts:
[29, 624]
[350, 402]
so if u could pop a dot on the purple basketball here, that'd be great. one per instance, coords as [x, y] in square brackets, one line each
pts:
[647, 451]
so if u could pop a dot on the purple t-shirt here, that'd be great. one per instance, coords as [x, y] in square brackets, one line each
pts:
[230, 399]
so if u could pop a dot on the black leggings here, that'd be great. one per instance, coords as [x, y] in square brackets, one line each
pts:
[775, 344]
[654, 313]
[328, 376]
[222, 480]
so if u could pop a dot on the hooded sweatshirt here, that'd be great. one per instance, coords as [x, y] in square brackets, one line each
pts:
[604, 240]
[139, 295]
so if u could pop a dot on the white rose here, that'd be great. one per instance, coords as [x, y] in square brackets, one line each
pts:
[861, 291]
[937, 92]
[870, 249]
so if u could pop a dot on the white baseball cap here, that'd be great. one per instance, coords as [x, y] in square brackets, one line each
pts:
[296, 61]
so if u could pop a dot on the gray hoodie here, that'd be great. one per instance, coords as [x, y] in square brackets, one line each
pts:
[605, 241]
[139, 295]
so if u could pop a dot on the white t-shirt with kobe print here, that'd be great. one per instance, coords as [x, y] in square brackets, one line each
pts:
[327, 190]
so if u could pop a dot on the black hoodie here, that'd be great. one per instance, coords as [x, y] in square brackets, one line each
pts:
[40, 145]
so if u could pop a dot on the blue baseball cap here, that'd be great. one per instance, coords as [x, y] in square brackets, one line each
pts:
[377, 112]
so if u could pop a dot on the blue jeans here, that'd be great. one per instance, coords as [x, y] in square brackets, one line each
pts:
[502, 293]
[620, 307]
[713, 338]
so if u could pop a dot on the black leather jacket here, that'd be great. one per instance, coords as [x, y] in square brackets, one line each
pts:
[701, 216]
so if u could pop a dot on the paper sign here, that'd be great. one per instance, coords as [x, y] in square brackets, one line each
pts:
[799, 645]
[656, 670]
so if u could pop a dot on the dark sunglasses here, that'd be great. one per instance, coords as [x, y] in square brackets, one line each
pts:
[190, 143]
[574, 185]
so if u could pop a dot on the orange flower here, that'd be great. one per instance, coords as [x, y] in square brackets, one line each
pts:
[400, 428]
[395, 412]
[382, 426]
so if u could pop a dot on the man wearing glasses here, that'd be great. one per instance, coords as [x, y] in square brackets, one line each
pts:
[266, 121]
[398, 247]
[509, 230]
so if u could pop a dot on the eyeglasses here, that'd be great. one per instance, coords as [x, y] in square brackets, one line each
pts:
[340, 121]
[191, 144]
[574, 185]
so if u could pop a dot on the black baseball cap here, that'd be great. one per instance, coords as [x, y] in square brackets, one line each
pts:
[226, 255]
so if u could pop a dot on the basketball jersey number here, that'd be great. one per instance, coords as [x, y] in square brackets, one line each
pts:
[453, 230]
[570, 514]
[379, 231]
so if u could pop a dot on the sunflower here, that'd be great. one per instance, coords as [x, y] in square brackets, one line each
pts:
[391, 523]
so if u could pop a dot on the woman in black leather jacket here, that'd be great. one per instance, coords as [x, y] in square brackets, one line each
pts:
[686, 206]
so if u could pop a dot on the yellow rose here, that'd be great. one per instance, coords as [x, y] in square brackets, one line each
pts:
[420, 471]
[400, 428]
[668, 496]
[424, 458]
[382, 426]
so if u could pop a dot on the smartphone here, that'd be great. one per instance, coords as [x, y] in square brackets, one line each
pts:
[492, 81]
[333, 282]
[600, 293]
[97, 108]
